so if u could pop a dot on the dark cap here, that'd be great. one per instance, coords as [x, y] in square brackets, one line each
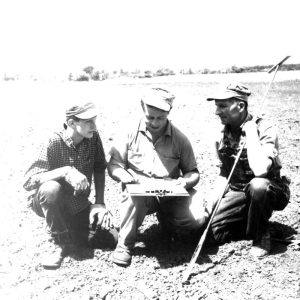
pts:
[234, 90]
[159, 98]
[85, 111]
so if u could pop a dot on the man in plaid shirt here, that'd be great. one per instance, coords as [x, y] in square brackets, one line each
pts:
[59, 182]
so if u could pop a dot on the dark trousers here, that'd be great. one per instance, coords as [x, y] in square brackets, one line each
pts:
[245, 214]
[51, 202]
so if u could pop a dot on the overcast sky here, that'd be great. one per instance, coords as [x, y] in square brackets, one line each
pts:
[49, 36]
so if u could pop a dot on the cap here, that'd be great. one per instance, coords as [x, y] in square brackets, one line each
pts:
[159, 98]
[85, 111]
[233, 90]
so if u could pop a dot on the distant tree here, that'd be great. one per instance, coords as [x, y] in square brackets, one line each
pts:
[89, 70]
[235, 69]
[70, 78]
[83, 77]
[96, 76]
[148, 74]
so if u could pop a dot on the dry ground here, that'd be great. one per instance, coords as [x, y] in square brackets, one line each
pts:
[31, 110]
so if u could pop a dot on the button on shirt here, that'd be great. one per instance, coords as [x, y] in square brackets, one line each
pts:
[87, 157]
[170, 156]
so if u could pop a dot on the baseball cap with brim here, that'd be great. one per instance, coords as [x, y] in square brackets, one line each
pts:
[237, 91]
[85, 111]
[159, 98]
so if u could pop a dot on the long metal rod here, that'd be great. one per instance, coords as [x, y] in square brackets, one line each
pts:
[198, 249]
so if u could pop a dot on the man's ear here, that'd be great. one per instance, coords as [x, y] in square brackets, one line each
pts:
[70, 122]
[242, 106]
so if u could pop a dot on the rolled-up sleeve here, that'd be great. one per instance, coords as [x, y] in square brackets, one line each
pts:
[119, 152]
[39, 166]
[269, 141]
[187, 157]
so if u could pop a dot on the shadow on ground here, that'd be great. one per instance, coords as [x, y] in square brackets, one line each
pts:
[179, 249]
[171, 251]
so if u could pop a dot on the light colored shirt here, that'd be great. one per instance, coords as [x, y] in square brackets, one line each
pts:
[170, 156]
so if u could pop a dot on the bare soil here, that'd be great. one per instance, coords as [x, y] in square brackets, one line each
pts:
[32, 110]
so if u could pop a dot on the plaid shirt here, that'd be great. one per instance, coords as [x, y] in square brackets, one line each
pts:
[87, 157]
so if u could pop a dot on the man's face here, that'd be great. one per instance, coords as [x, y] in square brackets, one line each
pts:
[86, 128]
[229, 111]
[155, 119]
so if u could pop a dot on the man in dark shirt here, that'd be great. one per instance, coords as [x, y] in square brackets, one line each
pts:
[256, 187]
[59, 184]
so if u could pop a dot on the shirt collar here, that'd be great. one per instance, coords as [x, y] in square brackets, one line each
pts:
[66, 138]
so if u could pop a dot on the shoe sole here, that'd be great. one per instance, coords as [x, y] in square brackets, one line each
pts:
[51, 267]
[121, 262]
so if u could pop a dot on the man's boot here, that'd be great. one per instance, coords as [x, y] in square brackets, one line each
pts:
[58, 250]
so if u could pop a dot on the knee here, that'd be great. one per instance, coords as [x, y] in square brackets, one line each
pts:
[258, 186]
[49, 192]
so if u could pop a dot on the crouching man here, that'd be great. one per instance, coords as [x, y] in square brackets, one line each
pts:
[256, 187]
[59, 181]
[154, 149]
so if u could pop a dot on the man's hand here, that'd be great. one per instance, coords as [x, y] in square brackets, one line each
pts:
[199, 212]
[128, 178]
[100, 217]
[181, 181]
[77, 180]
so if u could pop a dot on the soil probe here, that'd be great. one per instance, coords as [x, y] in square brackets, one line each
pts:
[197, 251]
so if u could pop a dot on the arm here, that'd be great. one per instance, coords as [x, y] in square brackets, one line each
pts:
[188, 165]
[40, 170]
[99, 180]
[118, 173]
[99, 215]
[190, 179]
[259, 161]
[56, 174]
[117, 166]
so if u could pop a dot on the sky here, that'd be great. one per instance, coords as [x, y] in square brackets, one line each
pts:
[62, 36]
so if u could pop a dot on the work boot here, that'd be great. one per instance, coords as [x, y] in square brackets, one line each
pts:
[55, 256]
[122, 256]
[262, 246]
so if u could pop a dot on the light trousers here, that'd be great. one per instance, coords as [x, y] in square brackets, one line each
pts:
[174, 212]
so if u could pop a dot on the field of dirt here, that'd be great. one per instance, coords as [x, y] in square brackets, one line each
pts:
[31, 110]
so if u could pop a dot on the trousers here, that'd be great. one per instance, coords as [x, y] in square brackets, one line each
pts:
[52, 201]
[175, 212]
[246, 213]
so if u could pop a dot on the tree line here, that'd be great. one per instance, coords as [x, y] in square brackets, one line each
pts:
[90, 73]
